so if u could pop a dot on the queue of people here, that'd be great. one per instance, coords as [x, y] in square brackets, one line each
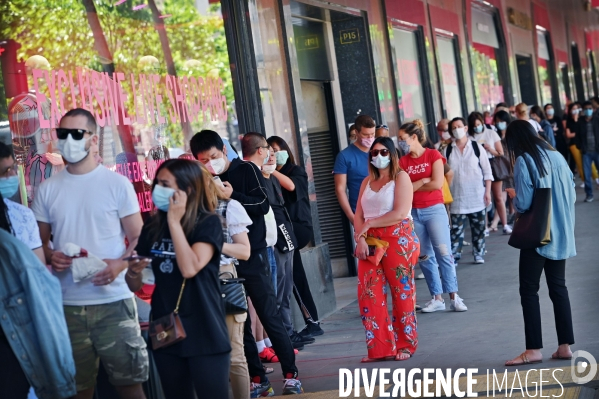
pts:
[209, 229]
[220, 217]
[481, 160]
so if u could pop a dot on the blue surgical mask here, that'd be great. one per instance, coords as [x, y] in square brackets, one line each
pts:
[282, 157]
[501, 125]
[161, 196]
[588, 112]
[478, 129]
[9, 186]
[380, 162]
[550, 112]
[404, 147]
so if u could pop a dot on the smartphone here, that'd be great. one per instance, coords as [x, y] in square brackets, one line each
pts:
[136, 257]
[218, 181]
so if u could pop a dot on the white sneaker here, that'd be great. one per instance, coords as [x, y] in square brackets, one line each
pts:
[597, 181]
[478, 260]
[420, 276]
[486, 232]
[457, 304]
[582, 185]
[433, 305]
[507, 229]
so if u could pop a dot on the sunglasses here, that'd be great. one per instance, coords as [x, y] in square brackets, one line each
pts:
[375, 153]
[77, 134]
[382, 127]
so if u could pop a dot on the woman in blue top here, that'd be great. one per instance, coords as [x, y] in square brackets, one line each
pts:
[548, 169]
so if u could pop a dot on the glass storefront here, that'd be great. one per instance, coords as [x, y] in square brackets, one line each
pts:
[152, 74]
[544, 64]
[488, 86]
[449, 76]
[410, 90]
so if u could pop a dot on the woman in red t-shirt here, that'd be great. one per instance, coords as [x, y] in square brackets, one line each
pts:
[425, 168]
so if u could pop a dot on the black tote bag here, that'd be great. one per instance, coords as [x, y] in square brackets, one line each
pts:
[532, 229]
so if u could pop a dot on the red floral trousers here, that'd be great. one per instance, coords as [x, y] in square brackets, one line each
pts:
[388, 336]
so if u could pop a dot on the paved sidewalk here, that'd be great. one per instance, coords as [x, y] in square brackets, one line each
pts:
[484, 337]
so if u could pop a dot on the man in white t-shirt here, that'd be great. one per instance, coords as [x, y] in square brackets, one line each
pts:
[96, 209]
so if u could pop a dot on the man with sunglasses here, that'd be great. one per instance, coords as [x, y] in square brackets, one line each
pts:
[381, 131]
[351, 166]
[95, 209]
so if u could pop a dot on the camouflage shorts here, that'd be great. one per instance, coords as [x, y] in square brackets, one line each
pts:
[111, 333]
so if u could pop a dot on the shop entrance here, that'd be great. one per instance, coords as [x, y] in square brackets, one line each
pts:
[526, 79]
[334, 90]
[566, 82]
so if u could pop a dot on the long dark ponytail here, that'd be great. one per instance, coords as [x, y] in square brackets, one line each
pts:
[521, 139]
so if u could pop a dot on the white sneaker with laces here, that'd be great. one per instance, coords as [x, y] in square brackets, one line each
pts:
[433, 305]
[457, 304]
[507, 229]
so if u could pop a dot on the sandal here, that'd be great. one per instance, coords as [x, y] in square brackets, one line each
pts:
[377, 359]
[525, 360]
[399, 359]
[556, 356]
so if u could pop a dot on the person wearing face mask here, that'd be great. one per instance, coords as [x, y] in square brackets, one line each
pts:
[558, 130]
[96, 209]
[285, 247]
[351, 166]
[243, 181]
[383, 212]
[444, 135]
[471, 190]
[425, 168]
[538, 115]
[183, 241]
[587, 141]
[491, 142]
[14, 217]
[574, 126]
[297, 202]
[501, 120]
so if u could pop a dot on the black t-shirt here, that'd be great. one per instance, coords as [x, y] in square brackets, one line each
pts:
[574, 127]
[201, 309]
[558, 129]
[286, 240]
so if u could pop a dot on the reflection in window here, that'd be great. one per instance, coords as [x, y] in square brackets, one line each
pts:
[410, 91]
[451, 89]
[152, 76]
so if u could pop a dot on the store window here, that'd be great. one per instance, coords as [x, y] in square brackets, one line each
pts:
[446, 50]
[544, 66]
[152, 73]
[411, 95]
[488, 60]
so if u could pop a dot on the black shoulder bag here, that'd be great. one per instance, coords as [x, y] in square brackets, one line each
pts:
[532, 229]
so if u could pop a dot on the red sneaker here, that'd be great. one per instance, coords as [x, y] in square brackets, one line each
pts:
[268, 356]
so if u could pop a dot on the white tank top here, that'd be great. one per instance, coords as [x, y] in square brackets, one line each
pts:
[375, 204]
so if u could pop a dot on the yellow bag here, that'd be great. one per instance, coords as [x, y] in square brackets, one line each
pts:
[447, 197]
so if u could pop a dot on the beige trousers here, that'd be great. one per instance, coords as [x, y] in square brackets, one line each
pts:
[238, 373]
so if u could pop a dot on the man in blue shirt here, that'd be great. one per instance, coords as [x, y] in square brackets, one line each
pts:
[351, 166]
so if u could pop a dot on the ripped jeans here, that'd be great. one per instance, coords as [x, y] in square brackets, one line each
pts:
[432, 228]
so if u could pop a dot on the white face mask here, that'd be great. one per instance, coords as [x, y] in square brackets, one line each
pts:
[459, 132]
[216, 166]
[268, 169]
[73, 150]
[445, 135]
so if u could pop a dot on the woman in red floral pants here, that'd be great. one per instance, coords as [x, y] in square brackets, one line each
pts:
[383, 212]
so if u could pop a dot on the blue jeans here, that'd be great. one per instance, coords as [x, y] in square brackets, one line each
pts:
[273, 266]
[432, 228]
[587, 165]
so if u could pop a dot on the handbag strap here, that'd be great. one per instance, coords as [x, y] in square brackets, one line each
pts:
[180, 295]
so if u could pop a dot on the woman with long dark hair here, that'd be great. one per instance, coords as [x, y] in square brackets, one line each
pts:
[294, 182]
[538, 165]
[384, 212]
[184, 239]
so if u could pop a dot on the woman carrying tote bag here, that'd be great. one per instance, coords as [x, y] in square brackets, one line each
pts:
[543, 168]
